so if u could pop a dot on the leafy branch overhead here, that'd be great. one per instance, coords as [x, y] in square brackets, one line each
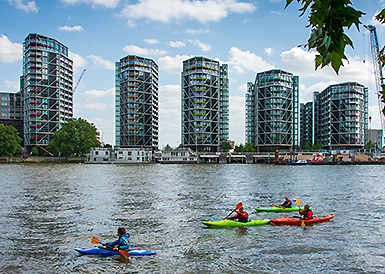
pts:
[328, 20]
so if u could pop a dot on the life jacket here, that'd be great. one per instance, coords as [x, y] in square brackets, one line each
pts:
[124, 241]
[307, 215]
[242, 216]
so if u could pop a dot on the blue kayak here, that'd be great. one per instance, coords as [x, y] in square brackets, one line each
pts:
[106, 252]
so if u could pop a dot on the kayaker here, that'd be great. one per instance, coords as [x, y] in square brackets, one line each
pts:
[306, 213]
[287, 203]
[122, 243]
[240, 216]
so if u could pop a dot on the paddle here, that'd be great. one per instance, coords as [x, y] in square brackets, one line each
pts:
[122, 252]
[299, 205]
[238, 206]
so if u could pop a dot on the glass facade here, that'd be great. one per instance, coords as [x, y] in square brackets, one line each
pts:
[136, 102]
[47, 83]
[272, 114]
[205, 104]
[343, 116]
[306, 124]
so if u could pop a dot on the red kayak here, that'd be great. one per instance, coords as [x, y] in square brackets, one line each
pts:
[297, 221]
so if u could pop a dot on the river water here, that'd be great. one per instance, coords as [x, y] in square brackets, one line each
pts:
[48, 210]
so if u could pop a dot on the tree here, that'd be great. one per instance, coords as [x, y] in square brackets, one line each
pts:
[34, 151]
[226, 147]
[75, 138]
[328, 20]
[239, 148]
[307, 147]
[9, 141]
[167, 148]
[107, 145]
[316, 147]
[248, 148]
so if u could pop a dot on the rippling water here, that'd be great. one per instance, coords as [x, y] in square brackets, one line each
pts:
[48, 210]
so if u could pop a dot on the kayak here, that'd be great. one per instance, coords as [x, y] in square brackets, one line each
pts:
[106, 252]
[297, 221]
[277, 209]
[235, 223]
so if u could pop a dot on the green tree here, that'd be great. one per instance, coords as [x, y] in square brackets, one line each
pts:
[167, 148]
[316, 147]
[75, 138]
[239, 148]
[307, 147]
[9, 141]
[34, 151]
[370, 145]
[226, 147]
[248, 147]
[328, 21]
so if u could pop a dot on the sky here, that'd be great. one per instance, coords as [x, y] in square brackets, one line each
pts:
[251, 36]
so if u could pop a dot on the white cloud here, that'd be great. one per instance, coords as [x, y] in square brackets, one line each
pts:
[177, 44]
[97, 60]
[9, 51]
[27, 7]
[197, 31]
[131, 24]
[78, 61]
[98, 106]
[201, 45]
[94, 3]
[172, 64]
[8, 85]
[243, 61]
[268, 51]
[151, 41]
[169, 10]
[100, 93]
[169, 115]
[71, 28]
[135, 50]
[301, 62]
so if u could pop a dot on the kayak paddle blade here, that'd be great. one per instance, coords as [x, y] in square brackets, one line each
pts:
[95, 240]
[298, 202]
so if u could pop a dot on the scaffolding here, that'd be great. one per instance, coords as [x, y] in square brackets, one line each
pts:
[137, 102]
[47, 88]
[204, 104]
[272, 111]
[343, 116]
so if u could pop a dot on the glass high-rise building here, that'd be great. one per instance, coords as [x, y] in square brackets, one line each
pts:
[205, 104]
[46, 84]
[11, 110]
[306, 124]
[342, 112]
[272, 111]
[136, 103]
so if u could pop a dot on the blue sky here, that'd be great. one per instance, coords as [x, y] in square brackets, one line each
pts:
[251, 36]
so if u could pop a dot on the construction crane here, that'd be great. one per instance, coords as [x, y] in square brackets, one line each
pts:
[377, 72]
[80, 78]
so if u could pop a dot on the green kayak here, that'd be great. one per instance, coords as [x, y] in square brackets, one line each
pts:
[234, 223]
[277, 209]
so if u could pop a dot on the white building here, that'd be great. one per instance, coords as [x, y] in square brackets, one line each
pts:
[110, 155]
[178, 156]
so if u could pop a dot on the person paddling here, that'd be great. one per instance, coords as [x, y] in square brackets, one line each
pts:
[306, 213]
[123, 243]
[287, 203]
[240, 214]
